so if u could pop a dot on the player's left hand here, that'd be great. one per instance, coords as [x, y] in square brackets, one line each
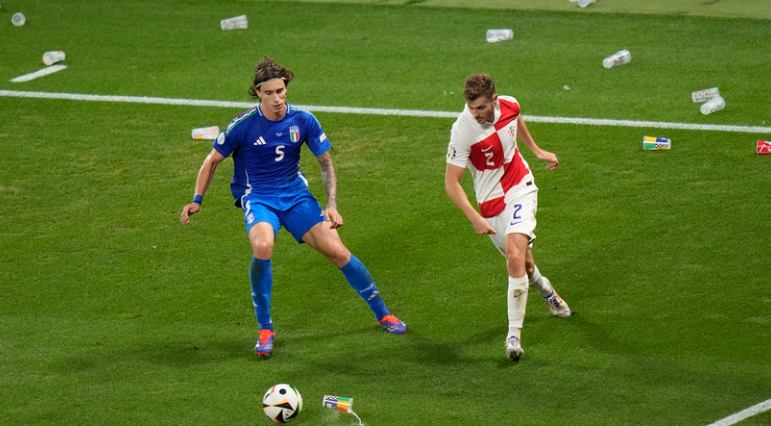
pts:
[188, 211]
[551, 158]
[333, 217]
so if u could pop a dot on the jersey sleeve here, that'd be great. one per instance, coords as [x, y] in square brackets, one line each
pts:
[459, 148]
[227, 141]
[316, 139]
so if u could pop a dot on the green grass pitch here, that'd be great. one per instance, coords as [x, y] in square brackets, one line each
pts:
[113, 313]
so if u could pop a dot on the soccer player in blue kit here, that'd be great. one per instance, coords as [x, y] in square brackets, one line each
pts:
[269, 186]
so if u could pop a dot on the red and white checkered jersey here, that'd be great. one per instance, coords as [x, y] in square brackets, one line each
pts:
[490, 152]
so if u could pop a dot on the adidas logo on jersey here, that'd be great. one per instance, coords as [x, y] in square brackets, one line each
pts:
[260, 141]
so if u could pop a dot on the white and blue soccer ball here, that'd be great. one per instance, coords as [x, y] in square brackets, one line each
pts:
[282, 403]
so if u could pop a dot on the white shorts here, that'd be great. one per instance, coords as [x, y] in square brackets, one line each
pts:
[517, 218]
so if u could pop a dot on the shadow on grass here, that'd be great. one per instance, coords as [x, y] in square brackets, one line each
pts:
[179, 354]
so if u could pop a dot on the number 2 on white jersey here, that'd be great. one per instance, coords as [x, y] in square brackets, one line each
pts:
[517, 208]
[489, 156]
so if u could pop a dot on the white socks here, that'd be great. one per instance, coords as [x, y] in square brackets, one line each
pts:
[516, 300]
[541, 284]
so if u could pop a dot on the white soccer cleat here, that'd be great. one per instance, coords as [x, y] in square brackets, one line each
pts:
[557, 306]
[513, 348]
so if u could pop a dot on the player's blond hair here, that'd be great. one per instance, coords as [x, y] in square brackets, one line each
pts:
[479, 85]
[267, 70]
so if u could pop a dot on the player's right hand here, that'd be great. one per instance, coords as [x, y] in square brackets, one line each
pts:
[550, 157]
[482, 226]
[333, 217]
[188, 211]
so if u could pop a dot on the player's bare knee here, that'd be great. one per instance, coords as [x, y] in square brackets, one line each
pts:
[262, 249]
[340, 257]
[515, 263]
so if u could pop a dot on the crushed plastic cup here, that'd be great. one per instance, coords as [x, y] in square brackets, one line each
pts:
[705, 95]
[207, 133]
[236, 23]
[715, 104]
[18, 19]
[338, 403]
[496, 35]
[652, 143]
[341, 403]
[584, 3]
[764, 147]
[50, 58]
[619, 58]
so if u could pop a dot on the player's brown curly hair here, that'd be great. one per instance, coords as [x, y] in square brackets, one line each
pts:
[268, 69]
[479, 85]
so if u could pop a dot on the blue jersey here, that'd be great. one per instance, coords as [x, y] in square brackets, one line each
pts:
[266, 154]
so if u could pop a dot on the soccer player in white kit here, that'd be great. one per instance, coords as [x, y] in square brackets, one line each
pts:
[484, 140]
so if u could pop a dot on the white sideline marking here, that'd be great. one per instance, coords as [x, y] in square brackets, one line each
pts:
[39, 73]
[741, 415]
[385, 111]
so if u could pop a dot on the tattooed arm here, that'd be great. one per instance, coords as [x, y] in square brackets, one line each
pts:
[329, 178]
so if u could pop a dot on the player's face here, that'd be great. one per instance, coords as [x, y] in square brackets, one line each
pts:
[273, 96]
[483, 109]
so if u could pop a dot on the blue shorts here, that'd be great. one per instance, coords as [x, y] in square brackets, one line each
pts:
[298, 213]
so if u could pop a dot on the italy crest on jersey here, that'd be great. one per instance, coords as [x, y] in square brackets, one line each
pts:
[294, 134]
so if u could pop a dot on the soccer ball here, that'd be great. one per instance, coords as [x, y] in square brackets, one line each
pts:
[282, 403]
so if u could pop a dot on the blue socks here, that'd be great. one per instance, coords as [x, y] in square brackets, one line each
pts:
[261, 279]
[361, 280]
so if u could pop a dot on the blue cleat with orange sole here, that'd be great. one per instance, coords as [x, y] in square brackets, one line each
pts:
[264, 345]
[393, 325]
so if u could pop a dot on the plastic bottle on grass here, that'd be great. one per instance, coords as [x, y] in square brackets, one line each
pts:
[619, 58]
[18, 19]
[499, 35]
[715, 104]
[705, 95]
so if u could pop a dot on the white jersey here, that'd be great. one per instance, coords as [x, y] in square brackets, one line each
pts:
[490, 152]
